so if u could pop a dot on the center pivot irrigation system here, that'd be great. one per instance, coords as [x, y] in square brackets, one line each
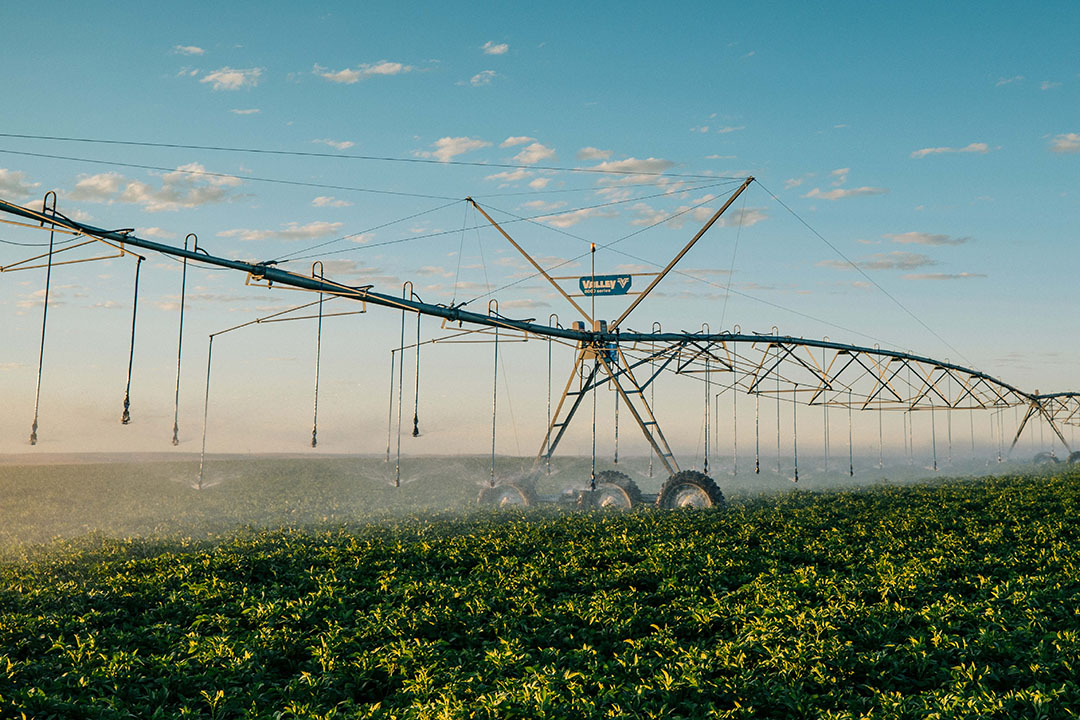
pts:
[767, 366]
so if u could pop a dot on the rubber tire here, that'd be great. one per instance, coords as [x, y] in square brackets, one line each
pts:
[1045, 458]
[507, 495]
[690, 488]
[1074, 457]
[614, 491]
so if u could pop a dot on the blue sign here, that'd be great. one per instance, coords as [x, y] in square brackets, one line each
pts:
[605, 284]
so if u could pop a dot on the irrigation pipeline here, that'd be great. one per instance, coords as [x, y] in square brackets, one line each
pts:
[267, 274]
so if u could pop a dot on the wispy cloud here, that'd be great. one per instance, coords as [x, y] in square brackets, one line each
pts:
[484, 77]
[188, 186]
[943, 276]
[1065, 143]
[569, 219]
[839, 176]
[156, 232]
[248, 111]
[841, 193]
[1008, 81]
[448, 148]
[350, 76]
[1049, 85]
[516, 140]
[508, 176]
[330, 201]
[730, 129]
[336, 144]
[491, 48]
[793, 183]
[534, 153]
[591, 153]
[921, 238]
[634, 165]
[15, 184]
[895, 260]
[188, 50]
[288, 231]
[975, 147]
[228, 78]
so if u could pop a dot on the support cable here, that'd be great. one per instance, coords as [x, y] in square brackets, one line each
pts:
[862, 272]
[180, 342]
[933, 436]
[757, 434]
[390, 412]
[735, 430]
[616, 461]
[318, 358]
[206, 410]
[850, 440]
[401, 375]
[795, 432]
[125, 418]
[416, 391]
[44, 314]
[495, 397]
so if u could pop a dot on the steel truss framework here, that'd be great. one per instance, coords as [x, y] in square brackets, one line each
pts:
[812, 372]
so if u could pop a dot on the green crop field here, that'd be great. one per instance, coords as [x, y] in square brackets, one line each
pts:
[313, 593]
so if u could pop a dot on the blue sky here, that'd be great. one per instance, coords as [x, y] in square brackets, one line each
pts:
[937, 145]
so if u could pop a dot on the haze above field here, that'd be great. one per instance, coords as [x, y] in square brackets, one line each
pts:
[935, 146]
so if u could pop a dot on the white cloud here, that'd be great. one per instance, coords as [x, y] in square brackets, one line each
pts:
[448, 148]
[14, 183]
[730, 129]
[543, 205]
[634, 165]
[98, 188]
[943, 276]
[920, 238]
[647, 215]
[156, 232]
[289, 231]
[349, 76]
[793, 183]
[186, 187]
[434, 271]
[539, 183]
[337, 144]
[188, 50]
[534, 153]
[976, 147]
[569, 219]
[840, 193]
[491, 48]
[1049, 85]
[484, 77]
[719, 157]
[509, 176]
[895, 260]
[516, 140]
[700, 129]
[1065, 143]
[1007, 81]
[591, 153]
[228, 78]
[249, 111]
[328, 201]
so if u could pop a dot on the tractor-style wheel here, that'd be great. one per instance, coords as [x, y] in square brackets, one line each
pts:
[507, 495]
[690, 489]
[1045, 458]
[1074, 457]
[614, 491]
